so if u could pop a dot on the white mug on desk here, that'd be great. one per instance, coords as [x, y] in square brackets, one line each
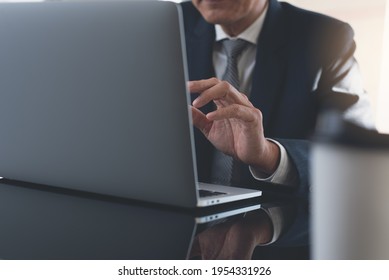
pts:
[350, 195]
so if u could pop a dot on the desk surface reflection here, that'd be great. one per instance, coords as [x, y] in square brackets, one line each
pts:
[39, 222]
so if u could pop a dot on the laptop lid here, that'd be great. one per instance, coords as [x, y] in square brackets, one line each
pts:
[93, 98]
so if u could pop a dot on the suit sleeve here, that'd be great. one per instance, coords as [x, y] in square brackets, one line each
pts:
[339, 87]
[340, 84]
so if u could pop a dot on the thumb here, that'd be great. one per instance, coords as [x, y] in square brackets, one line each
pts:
[201, 121]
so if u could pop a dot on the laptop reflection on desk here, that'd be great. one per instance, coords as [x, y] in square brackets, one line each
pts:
[46, 223]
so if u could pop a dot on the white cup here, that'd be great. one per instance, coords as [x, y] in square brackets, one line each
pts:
[350, 201]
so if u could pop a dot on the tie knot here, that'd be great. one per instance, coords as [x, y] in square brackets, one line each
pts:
[234, 48]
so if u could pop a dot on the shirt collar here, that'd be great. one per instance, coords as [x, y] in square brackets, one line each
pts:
[251, 34]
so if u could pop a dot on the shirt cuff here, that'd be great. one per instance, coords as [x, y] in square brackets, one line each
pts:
[285, 174]
[280, 217]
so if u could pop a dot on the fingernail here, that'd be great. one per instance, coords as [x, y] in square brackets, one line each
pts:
[210, 115]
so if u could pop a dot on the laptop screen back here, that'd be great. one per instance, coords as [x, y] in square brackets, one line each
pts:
[94, 98]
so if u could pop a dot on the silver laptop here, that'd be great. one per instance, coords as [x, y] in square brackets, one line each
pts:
[94, 98]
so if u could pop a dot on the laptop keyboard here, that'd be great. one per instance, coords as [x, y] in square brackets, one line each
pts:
[205, 193]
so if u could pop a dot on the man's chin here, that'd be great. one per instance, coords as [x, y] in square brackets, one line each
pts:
[216, 18]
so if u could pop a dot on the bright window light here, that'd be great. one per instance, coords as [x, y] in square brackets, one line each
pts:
[383, 99]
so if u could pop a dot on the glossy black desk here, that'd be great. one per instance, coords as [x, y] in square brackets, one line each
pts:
[38, 222]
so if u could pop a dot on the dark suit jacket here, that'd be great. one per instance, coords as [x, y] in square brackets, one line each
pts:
[304, 61]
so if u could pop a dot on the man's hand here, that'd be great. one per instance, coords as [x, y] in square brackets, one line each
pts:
[235, 239]
[235, 127]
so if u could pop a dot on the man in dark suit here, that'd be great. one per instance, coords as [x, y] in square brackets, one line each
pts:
[293, 63]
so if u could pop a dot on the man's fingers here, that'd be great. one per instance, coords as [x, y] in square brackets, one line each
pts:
[235, 112]
[221, 91]
[201, 121]
[214, 90]
[202, 85]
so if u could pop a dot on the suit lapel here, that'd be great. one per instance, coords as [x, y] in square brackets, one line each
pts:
[270, 67]
[200, 54]
[200, 41]
[200, 48]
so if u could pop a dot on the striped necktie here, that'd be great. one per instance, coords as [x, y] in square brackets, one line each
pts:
[233, 49]
[225, 170]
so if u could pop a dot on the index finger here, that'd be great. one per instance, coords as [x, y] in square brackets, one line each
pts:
[202, 85]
